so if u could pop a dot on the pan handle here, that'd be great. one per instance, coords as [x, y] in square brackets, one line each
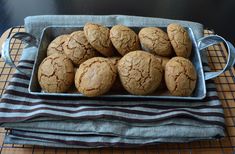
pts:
[27, 38]
[207, 41]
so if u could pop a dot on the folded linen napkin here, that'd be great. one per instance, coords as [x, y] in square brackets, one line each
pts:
[70, 122]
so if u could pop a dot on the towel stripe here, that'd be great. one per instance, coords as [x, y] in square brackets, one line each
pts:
[25, 94]
[10, 101]
[83, 140]
[26, 61]
[82, 143]
[24, 67]
[20, 76]
[18, 84]
[112, 110]
[104, 116]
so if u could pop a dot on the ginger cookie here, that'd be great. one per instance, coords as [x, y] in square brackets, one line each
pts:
[56, 46]
[180, 76]
[156, 40]
[114, 60]
[98, 36]
[180, 40]
[117, 85]
[78, 49]
[95, 76]
[56, 73]
[124, 39]
[140, 72]
[162, 59]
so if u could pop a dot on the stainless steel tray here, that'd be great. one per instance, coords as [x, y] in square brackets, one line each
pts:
[49, 33]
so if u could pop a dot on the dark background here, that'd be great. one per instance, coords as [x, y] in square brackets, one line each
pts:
[213, 14]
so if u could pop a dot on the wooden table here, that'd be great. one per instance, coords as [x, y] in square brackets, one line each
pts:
[225, 87]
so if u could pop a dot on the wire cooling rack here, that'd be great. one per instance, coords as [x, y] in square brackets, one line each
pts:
[225, 86]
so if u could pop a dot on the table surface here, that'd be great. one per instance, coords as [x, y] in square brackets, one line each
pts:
[226, 91]
[213, 14]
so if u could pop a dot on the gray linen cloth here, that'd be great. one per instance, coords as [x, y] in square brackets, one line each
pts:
[70, 122]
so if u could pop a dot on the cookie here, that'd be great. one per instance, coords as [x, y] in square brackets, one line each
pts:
[114, 60]
[56, 73]
[140, 72]
[156, 40]
[78, 49]
[117, 85]
[95, 76]
[124, 39]
[162, 59]
[180, 40]
[180, 76]
[56, 46]
[98, 36]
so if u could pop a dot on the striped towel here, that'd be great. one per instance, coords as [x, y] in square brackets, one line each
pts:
[70, 122]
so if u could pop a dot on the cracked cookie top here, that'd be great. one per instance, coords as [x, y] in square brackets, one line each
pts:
[98, 36]
[156, 40]
[56, 46]
[56, 73]
[117, 85]
[180, 76]
[124, 39]
[95, 76]
[180, 40]
[114, 60]
[140, 72]
[162, 59]
[78, 49]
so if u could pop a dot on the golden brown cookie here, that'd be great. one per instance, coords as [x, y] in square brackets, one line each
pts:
[117, 85]
[180, 76]
[140, 72]
[155, 39]
[180, 40]
[56, 46]
[114, 60]
[124, 39]
[78, 49]
[162, 59]
[98, 36]
[56, 73]
[95, 76]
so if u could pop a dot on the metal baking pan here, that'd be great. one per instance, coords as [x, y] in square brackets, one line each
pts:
[49, 33]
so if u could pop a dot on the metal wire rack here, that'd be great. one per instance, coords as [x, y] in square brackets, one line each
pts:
[225, 86]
